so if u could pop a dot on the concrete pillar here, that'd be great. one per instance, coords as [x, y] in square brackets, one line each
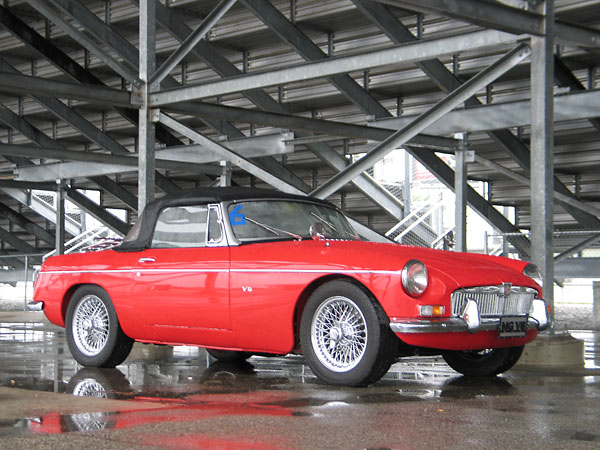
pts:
[542, 150]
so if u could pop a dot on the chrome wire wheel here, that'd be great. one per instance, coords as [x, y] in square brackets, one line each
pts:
[90, 388]
[339, 334]
[91, 325]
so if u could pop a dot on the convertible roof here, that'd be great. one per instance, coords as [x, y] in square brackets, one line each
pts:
[140, 236]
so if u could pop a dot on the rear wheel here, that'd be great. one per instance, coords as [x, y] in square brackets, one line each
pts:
[483, 363]
[94, 335]
[344, 335]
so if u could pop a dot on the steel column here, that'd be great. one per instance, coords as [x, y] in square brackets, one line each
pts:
[60, 218]
[542, 150]
[146, 131]
[460, 206]
[446, 105]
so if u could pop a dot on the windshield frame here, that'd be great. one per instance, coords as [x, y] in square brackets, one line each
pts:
[233, 240]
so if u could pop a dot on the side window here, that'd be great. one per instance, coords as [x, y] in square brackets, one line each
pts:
[215, 234]
[181, 226]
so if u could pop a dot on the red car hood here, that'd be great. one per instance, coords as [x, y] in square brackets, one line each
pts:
[465, 269]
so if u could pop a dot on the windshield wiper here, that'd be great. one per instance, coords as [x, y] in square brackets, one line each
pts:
[330, 225]
[275, 231]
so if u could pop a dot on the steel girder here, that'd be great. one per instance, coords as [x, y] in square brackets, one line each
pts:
[26, 224]
[414, 52]
[130, 54]
[447, 104]
[305, 47]
[447, 81]
[71, 68]
[494, 14]
[211, 55]
[97, 211]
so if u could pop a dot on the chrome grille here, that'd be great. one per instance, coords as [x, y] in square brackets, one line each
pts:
[492, 300]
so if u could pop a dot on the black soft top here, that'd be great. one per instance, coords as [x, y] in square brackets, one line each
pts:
[140, 236]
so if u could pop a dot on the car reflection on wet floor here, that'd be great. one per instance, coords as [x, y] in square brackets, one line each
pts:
[192, 388]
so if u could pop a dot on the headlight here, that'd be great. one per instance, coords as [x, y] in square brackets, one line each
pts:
[533, 272]
[415, 278]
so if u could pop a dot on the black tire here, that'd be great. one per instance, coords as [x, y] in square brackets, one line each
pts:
[228, 355]
[483, 363]
[514, 353]
[94, 335]
[358, 351]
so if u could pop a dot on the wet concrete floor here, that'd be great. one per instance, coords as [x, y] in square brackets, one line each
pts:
[178, 397]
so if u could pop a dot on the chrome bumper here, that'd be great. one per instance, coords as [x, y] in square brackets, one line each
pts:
[35, 306]
[471, 321]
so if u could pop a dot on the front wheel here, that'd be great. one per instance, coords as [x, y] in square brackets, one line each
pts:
[483, 363]
[94, 335]
[344, 335]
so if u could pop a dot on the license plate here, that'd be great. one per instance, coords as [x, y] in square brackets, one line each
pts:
[513, 326]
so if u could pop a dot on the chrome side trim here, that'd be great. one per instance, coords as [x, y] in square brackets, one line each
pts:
[450, 325]
[35, 306]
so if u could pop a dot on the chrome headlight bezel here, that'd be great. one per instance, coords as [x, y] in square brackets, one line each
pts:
[415, 278]
[532, 271]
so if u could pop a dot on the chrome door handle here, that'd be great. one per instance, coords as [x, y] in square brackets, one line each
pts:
[146, 260]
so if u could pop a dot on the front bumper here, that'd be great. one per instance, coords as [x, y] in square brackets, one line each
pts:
[470, 321]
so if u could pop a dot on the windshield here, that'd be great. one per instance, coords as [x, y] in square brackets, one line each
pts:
[277, 219]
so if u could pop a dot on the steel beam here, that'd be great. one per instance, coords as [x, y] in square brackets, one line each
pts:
[447, 104]
[564, 77]
[22, 84]
[214, 58]
[524, 180]
[26, 224]
[191, 158]
[291, 34]
[229, 155]
[97, 211]
[71, 68]
[494, 14]
[116, 190]
[45, 8]
[293, 122]
[41, 208]
[190, 42]
[20, 245]
[577, 268]
[413, 52]
[70, 155]
[447, 81]
[484, 208]
[579, 105]
[542, 151]
[102, 32]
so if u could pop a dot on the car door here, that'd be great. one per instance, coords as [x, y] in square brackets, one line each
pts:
[182, 280]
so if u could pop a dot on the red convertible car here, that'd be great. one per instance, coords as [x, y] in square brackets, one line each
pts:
[246, 271]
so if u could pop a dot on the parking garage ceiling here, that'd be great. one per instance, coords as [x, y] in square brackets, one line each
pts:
[288, 92]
